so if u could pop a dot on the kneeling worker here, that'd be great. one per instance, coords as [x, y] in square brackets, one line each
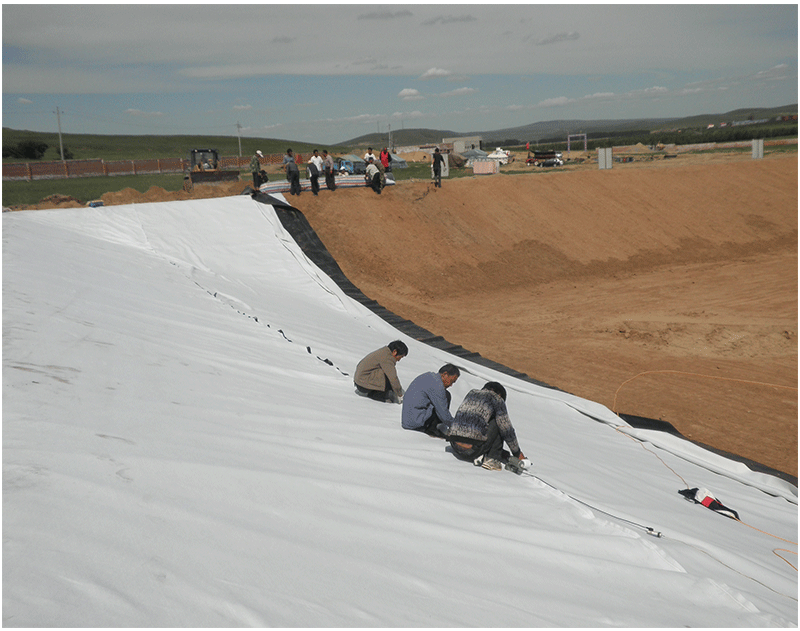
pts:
[373, 176]
[427, 402]
[480, 427]
[376, 376]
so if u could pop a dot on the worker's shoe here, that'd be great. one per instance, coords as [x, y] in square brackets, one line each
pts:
[492, 465]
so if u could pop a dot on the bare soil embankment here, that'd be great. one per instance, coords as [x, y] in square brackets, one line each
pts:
[664, 288]
[668, 293]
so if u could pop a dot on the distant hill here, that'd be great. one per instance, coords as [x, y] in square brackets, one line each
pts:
[401, 137]
[557, 130]
[627, 131]
[130, 147]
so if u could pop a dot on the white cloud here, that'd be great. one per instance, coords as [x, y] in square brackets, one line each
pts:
[24, 101]
[408, 115]
[460, 92]
[449, 19]
[435, 73]
[558, 101]
[654, 90]
[223, 71]
[776, 73]
[135, 112]
[558, 37]
[410, 94]
[242, 107]
[385, 15]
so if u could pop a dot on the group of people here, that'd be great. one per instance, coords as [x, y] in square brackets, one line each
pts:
[477, 431]
[384, 158]
[376, 168]
[323, 164]
[317, 165]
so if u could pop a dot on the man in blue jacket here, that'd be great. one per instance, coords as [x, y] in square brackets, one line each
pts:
[426, 403]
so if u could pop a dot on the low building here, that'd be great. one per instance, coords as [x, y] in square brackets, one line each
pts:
[463, 143]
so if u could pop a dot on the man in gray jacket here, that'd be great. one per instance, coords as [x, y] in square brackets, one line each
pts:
[376, 376]
[426, 405]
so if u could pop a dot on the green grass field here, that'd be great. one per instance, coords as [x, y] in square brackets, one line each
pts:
[88, 146]
[85, 189]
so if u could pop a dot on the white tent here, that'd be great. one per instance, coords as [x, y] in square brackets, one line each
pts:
[182, 446]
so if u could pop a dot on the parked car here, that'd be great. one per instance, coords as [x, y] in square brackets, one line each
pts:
[344, 166]
[350, 164]
[545, 158]
[552, 162]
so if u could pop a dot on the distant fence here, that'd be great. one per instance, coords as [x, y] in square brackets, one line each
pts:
[98, 168]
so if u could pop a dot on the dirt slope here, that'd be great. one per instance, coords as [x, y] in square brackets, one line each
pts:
[665, 288]
[587, 279]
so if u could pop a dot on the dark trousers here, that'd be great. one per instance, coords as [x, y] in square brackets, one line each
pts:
[437, 177]
[492, 447]
[330, 181]
[375, 183]
[430, 427]
[256, 180]
[314, 184]
[383, 396]
[294, 182]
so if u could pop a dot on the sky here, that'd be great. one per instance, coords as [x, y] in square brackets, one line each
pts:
[183, 447]
[329, 73]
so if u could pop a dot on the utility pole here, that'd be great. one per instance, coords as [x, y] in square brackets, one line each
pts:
[239, 134]
[60, 143]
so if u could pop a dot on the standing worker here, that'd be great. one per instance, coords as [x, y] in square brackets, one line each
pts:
[292, 172]
[438, 159]
[314, 169]
[255, 168]
[327, 163]
[386, 159]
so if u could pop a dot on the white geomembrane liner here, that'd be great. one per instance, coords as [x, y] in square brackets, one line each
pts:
[182, 446]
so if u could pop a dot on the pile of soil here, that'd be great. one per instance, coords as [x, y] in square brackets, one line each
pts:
[665, 289]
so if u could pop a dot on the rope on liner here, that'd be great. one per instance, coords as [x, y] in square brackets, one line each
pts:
[693, 374]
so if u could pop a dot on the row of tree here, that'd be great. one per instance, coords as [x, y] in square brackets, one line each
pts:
[30, 150]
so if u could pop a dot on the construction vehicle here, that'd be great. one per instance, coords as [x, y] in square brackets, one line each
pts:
[203, 168]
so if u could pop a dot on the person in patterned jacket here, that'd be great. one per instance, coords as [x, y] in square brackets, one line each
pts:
[481, 426]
